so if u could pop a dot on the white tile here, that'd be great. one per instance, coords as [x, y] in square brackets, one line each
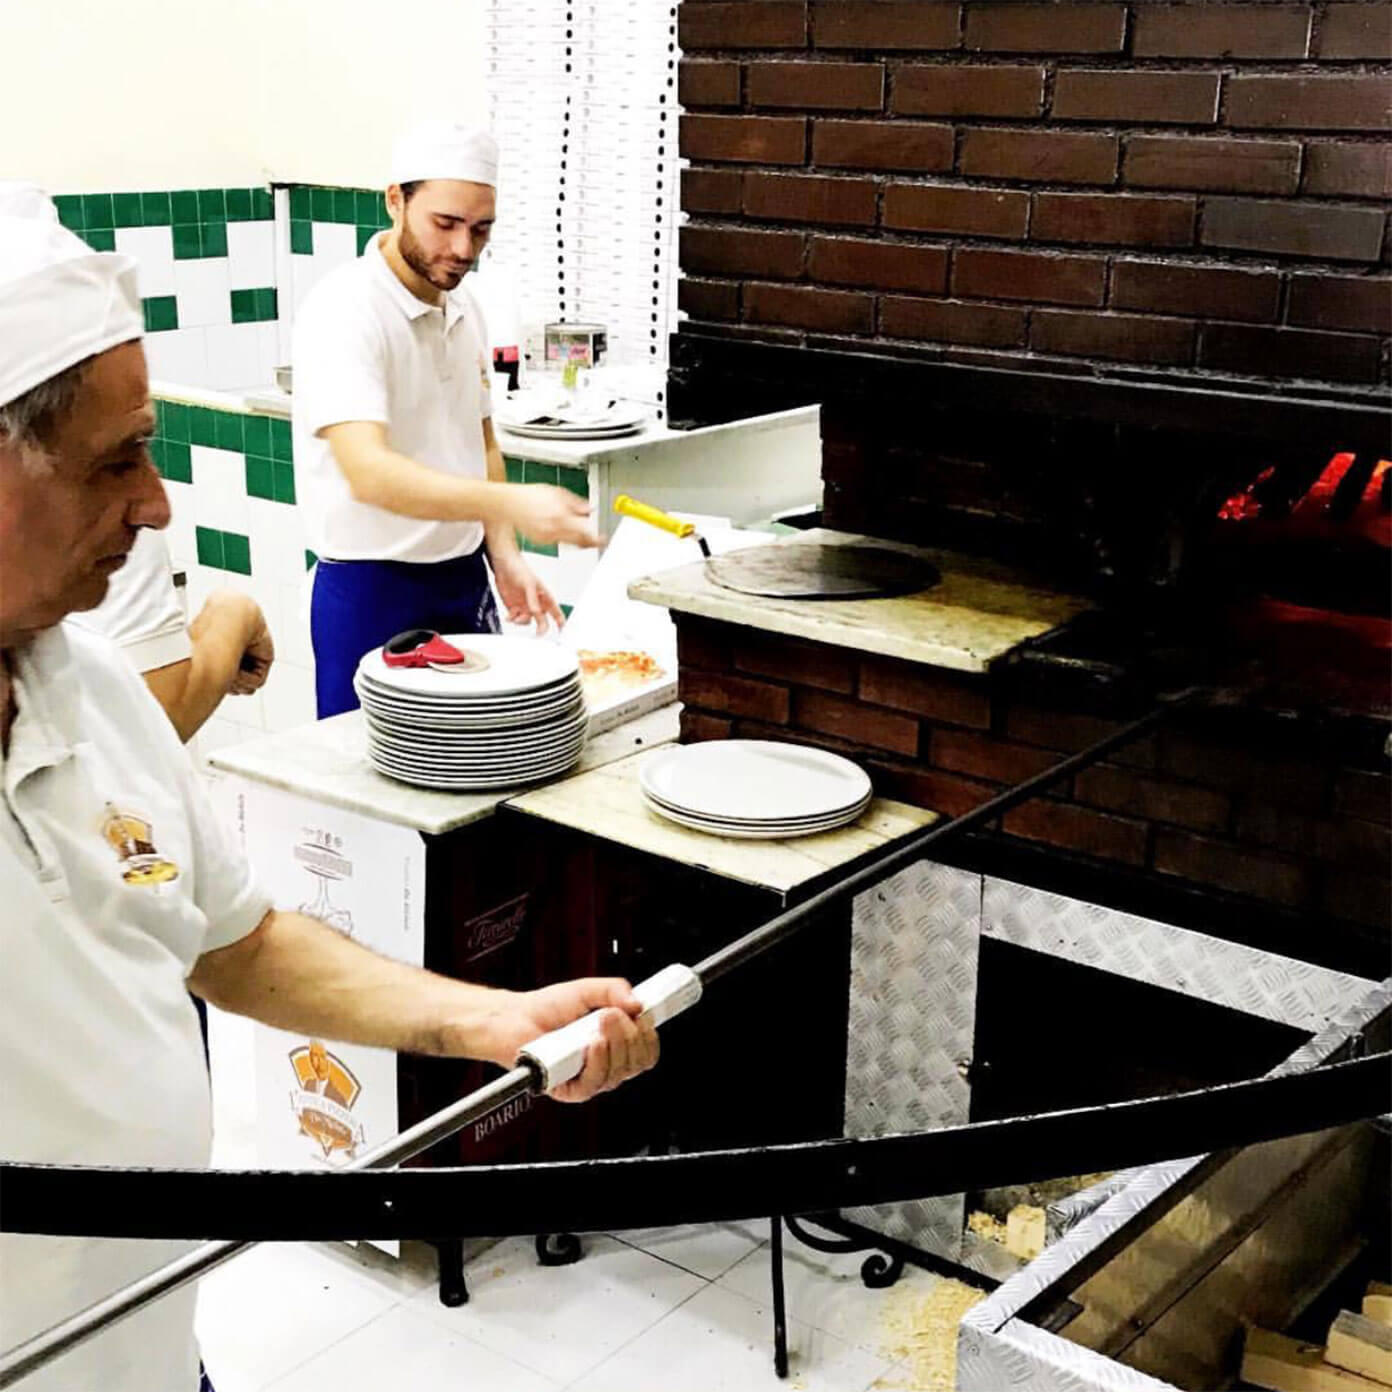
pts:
[306, 274]
[401, 1349]
[205, 297]
[720, 1342]
[277, 532]
[178, 355]
[288, 696]
[276, 1307]
[152, 249]
[293, 639]
[561, 1320]
[179, 535]
[247, 711]
[234, 358]
[708, 1249]
[403, 1277]
[268, 352]
[216, 734]
[334, 244]
[250, 255]
[219, 485]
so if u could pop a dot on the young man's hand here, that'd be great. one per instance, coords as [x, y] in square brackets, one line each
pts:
[546, 514]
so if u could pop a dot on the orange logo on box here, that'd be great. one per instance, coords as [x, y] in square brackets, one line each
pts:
[324, 1098]
[132, 838]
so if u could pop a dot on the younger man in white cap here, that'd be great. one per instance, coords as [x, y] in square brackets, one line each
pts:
[404, 489]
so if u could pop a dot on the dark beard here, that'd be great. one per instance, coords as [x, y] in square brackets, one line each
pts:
[414, 256]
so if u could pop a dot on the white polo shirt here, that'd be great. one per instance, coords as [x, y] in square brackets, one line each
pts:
[366, 349]
[141, 613]
[115, 879]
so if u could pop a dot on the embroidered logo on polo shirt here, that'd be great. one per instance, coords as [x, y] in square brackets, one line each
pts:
[133, 840]
[483, 372]
[323, 1099]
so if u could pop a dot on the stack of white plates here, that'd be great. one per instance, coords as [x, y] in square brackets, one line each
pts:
[543, 417]
[513, 714]
[754, 789]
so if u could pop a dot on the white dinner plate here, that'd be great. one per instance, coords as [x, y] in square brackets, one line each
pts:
[465, 783]
[516, 665]
[408, 723]
[425, 758]
[463, 712]
[792, 823]
[747, 833]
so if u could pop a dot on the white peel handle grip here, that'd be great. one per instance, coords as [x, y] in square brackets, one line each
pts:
[560, 1055]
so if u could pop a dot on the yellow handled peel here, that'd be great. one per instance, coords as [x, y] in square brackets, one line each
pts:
[655, 517]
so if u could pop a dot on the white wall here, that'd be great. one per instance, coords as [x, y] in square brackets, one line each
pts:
[164, 94]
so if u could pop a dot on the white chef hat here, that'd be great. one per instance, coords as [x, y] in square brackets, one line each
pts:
[60, 301]
[445, 150]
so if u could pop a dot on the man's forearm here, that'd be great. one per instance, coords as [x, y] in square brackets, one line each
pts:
[395, 482]
[190, 690]
[499, 535]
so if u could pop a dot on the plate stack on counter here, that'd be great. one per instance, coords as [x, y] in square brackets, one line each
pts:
[542, 415]
[754, 789]
[511, 713]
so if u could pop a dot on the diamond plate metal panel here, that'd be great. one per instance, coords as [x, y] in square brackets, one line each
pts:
[1176, 959]
[914, 951]
[1021, 1356]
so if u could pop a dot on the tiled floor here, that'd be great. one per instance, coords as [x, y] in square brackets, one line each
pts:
[645, 1311]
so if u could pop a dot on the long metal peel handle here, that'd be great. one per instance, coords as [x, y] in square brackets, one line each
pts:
[560, 1055]
[655, 517]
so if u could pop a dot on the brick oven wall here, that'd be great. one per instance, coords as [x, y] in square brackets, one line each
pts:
[1199, 188]
[1211, 803]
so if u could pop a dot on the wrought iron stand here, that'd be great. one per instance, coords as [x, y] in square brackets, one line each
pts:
[552, 1249]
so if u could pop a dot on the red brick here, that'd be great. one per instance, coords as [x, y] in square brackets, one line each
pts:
[1077, 829]
[801, 664]
[1293, 229]
[709, 299]
[1154, 799]
[1362, 898]
[712, 190]
[1184, 98]
[730, 695]
[906, 146]
[708, 84]
[1213, 292]
[854, 721]
[1266, 352]
[1121, 337]
[1342, 302]
[952, 321]
[754, 729]
[1355, 31]
[769, 24]
[1349, 170]
[879, 265]
[1345, 841]
[1221, 762]
[1211, 30]
[745, 139]
[970, 211]
[705, 644]
[880, 25]
[1234, 868]
[984, 756]
[805, 307]
[738, 251]
[1200, 162]
[1042, 156]
[1299, 102]
[817, 86]
[908, 686]
[1021, 275]
[1113, 219]
[809, 198]
[967, 91]
[697, 726]
[1051, 29]
[1365, 795]
[941, 792]
[1068, 732]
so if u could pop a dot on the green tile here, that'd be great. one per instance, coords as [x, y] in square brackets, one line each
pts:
[236, 553]
[209, 546]
[96, 210]
[125, 209]
[69, 207]
[100, 238]
[345, 206]
[260, 477]
[537, 549]
[302, 237]
[365, 235]
[576, 480]
[174, 421]
[281, 447]
[178, 462]
[214, 240]
[539, 473]
[229, 430]
[156, 452]
[567, 610]
[155, 210]
[243, 306]
[161, 312]
[202, 425]
[267, 303]
[262, 205]
[514, 469]
[284, 481]
[321, 201]
[183, 205]
[212, 205]
[301, 204]
[310, 560]
[256, 436]
[188, 242]
[239, 205]
[370, 207]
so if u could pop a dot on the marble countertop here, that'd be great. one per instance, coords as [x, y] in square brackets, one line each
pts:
[327, 761]
[607, 802]
[979, 612]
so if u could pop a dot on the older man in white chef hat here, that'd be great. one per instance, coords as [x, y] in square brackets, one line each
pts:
[119, 892]
[403, 483]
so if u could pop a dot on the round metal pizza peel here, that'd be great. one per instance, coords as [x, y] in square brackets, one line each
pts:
[807, 570]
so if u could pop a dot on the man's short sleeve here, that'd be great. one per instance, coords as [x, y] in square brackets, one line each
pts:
[485, 360]
[340, 363]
